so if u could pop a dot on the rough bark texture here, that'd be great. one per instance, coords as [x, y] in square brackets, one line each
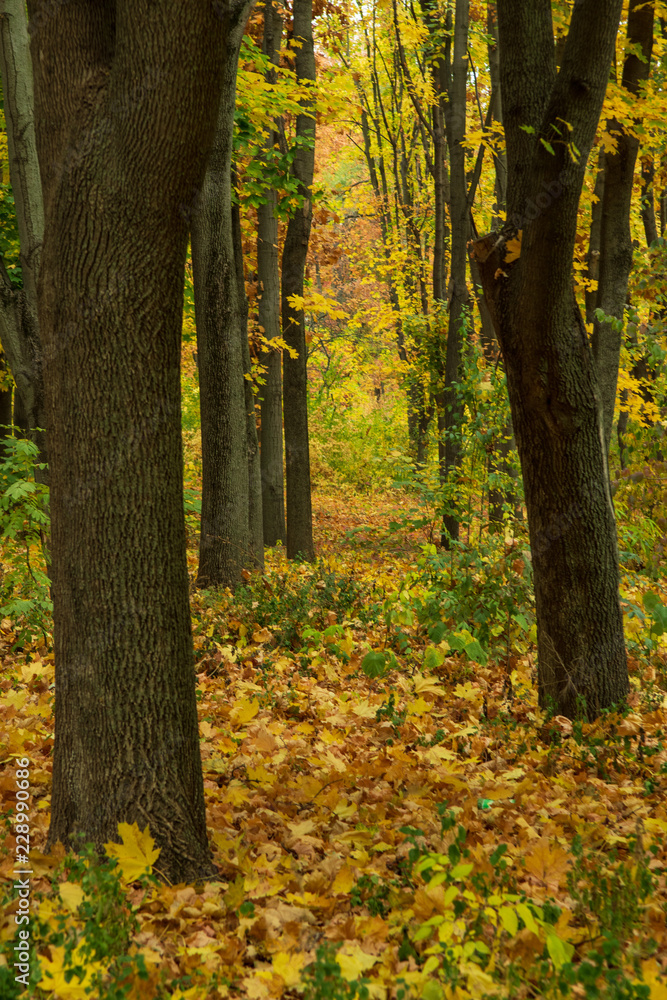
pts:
[615, 239]
[224, 542]
[455, 118]
[554, 397]
[126, 100]
[18, 307]
[268, 276]
[255, 527]
[295, 388]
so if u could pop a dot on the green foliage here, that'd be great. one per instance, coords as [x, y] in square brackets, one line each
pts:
[24, 522]
[323, 979]
[102, 933]
[304, 600]
[259, 103]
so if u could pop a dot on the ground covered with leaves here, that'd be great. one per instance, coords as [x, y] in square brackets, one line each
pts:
[391, 814]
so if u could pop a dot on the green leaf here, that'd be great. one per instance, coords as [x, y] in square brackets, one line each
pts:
[374, 663]
[560, 951]
[547, 145]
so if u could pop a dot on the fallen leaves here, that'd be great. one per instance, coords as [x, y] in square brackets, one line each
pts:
[327, 791]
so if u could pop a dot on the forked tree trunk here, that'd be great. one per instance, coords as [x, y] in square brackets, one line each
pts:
[224, 541]
[295, 378]
[126, 101]
[553, 391]
[268, 275]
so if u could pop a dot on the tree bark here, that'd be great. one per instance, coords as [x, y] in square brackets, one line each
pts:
[615, 238]
[255, 526]
[224, 543]
[554, 396]
[268, 276]
[295, 389]
[18, 307]
[126, 100]
[455, 119]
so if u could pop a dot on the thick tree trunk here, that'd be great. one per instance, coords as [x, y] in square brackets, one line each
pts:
[455, 119]
[255, 526]
[295, 388]
[126, 100]
[615, 238]
[268, 276]
[224, 542]
[553, 391]
[18, 307]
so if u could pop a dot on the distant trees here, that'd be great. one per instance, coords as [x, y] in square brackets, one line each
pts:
[19, 333]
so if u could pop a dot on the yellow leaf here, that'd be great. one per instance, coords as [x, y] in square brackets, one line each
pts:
[71, 895]
[344, 881]
[53, 975]
[354, 962]
[136, 854]
[243, 711]
[547, 864]
[418, 707]
[509, 919]
[235, 894]
[289, 967]
[513, 248]
[303, 828]
[654, 980]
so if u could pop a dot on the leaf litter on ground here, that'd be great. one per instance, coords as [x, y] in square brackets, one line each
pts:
[420, 829]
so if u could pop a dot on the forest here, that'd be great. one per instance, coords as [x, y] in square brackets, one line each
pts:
[333, 499]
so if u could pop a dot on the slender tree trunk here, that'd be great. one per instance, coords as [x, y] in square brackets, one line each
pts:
[255, 526]
[615, 239]
[126, 100]
[224, 543]
[5, 404]
[553, 391]
[647, 201]
[295, 389]
[268, 276]
[504, 444]
[458, 207]
[594, 241]
[18, 307]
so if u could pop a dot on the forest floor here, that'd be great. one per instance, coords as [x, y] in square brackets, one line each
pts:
[391, 813]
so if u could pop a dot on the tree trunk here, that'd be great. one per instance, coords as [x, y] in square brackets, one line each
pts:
[553, 391]
[615, 238]
[455, 119]
[503, 444]
[126, 100]
[295, 389]
[594, 241]
[647, 201]
[268, 276]
[5, 405]
[224, 542]
[255, 527]
[18, 307]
